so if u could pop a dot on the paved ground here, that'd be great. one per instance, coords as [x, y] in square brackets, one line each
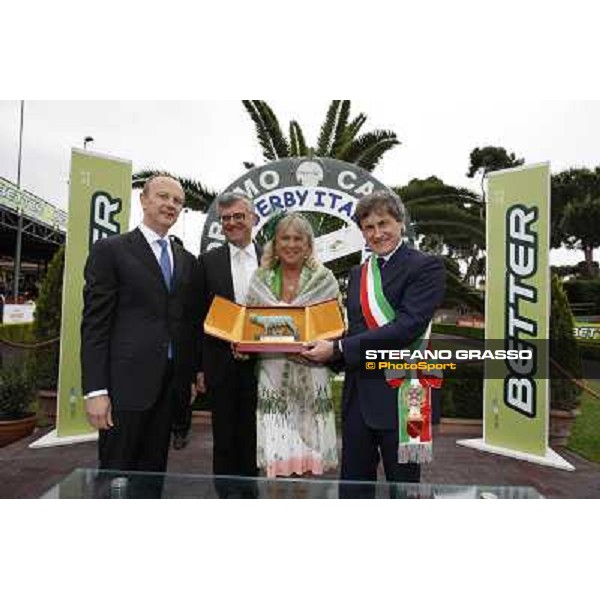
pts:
[27, 473]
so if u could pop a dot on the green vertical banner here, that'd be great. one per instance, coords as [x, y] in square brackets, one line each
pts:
[516, 399]
[516, 408]
[99, 203]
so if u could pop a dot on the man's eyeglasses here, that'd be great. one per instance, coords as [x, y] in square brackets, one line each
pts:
[237, 217]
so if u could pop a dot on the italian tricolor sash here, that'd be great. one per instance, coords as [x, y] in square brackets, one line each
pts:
[414, 388]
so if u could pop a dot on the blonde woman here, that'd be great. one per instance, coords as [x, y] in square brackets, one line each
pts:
[295, 416]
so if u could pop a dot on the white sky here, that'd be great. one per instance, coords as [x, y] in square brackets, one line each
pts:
[209, 139]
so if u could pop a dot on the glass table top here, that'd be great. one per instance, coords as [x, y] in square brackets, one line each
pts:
[93, 483]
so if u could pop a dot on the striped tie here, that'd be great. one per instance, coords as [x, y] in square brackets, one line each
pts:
[165, 263]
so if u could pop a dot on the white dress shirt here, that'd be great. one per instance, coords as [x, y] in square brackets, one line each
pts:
[243, 264]
[388, 256]
[152, 238]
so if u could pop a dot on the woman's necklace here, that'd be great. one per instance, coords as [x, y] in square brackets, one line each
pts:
[291, 287]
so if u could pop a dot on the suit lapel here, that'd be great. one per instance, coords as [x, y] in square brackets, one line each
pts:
[141, 249]
[178, 261]
[394, 266]
[259, 253]
[225, 265]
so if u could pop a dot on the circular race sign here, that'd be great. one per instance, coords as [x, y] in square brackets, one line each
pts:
[324, 185]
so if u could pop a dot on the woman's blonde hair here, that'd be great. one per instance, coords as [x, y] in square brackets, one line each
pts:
[301, 225]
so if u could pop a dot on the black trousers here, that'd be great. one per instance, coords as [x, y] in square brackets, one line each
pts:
[233, 402]
[182, 418]
[139, 440]
[363, 448]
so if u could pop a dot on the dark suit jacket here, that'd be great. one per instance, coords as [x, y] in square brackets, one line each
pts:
[129, 318]
[216, 359]
[414, 284]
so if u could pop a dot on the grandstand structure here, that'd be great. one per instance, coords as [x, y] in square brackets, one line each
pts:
[43, 232]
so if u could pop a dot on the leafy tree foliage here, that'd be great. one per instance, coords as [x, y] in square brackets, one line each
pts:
[16, 393]
[48, 307]
[46, 324]
[564, 394]
[574, 215]
[197, 196]
[581, 227]
[449, 220]
[458, 293]
[583, 295]
[452, 216]
[491, 158]
[338, 138]
[571, 185]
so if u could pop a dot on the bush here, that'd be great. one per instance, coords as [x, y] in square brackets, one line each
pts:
[46, 324]
[14, 332]
[16, 393]
[458, 331]
[584, 291]
[564, 350]
[589, 350]
[463, 398]
[17, 332]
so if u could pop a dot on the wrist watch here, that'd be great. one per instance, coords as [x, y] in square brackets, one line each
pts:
[337, 350]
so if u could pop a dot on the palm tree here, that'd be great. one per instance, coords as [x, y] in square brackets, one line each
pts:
[454, 218]
[197, 197]
[455, 215]
[339, 136]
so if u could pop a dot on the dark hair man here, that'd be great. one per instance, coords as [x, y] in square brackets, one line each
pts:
[413, 285]
[230, 382]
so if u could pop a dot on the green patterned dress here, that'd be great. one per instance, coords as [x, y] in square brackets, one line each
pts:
[295, 415]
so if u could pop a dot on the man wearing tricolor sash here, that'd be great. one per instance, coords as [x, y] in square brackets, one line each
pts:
[391, 297]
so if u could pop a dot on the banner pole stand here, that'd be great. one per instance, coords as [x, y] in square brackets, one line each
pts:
[550, 459]
[51, 439]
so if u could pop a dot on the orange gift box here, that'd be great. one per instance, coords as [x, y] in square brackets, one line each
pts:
[285, 329]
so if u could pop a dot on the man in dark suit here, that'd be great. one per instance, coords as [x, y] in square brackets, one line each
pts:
[228, 379]
[182, 418]
[139, 333]
[413, 284]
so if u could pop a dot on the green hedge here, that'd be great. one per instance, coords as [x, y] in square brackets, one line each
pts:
[17, 332]
[586, 291]
[469, 332]
[463, 398]
[44, 365]
[20, 333]
[564, 349]
[589, 350]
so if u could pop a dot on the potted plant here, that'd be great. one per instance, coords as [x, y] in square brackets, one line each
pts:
[46, 326]
[564, 352]
[16, 396]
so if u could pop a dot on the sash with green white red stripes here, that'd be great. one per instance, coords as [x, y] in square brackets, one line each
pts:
[414, 388]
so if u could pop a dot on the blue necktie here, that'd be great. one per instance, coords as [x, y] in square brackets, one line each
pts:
[165, 267]
[165, 263]
[380, 262]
